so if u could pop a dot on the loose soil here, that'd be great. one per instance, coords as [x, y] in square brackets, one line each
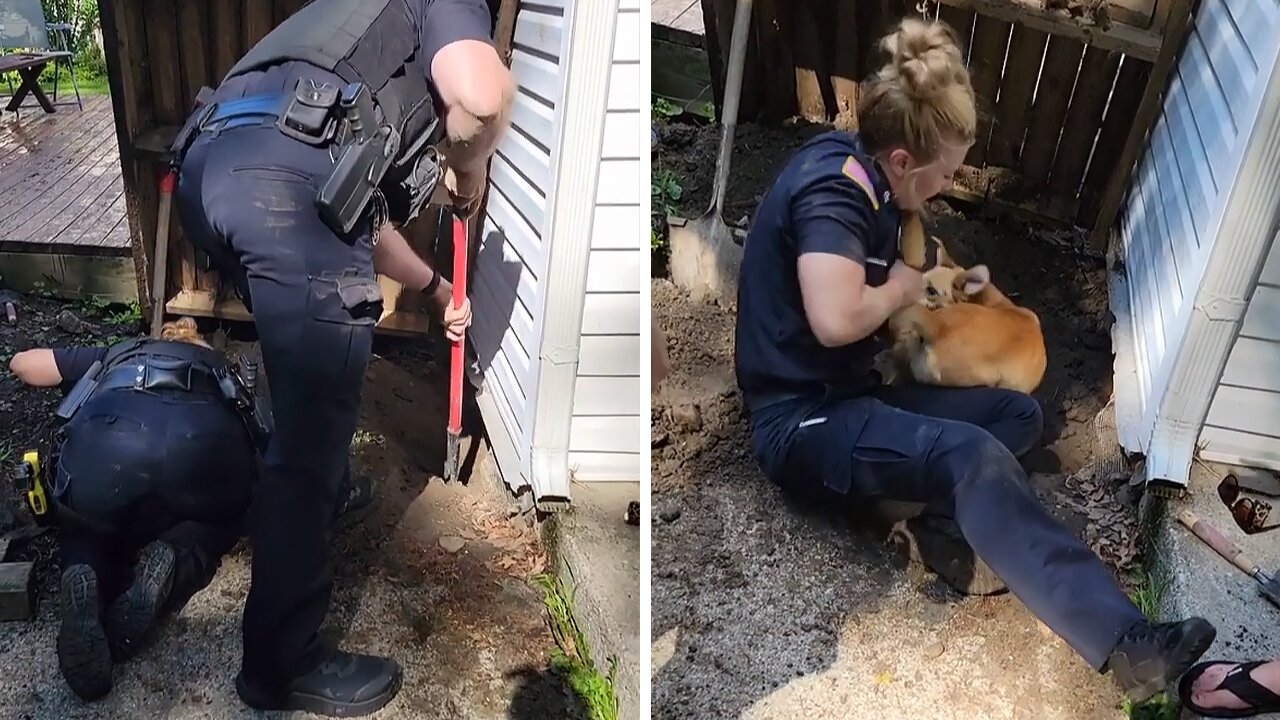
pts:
[762, 608]
[436, 576]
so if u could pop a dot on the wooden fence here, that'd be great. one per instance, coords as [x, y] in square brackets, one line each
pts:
[159, 54]
[1066, 99]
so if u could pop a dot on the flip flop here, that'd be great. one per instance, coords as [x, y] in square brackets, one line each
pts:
[1237, 682]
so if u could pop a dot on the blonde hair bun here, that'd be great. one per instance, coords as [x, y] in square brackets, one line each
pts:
[927, 56]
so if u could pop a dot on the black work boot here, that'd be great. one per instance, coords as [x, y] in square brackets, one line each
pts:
[83, 655]
[936, 543]
[355, 500]
[133, 614]
[345, 685]
[1149, 657]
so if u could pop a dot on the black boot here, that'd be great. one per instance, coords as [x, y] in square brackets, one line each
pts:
[83, 655]
[355, 500]
[936, 543]
[133, 614]
[345, 685]
[1149, 657]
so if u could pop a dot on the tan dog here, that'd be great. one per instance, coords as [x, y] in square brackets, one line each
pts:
[975, 337]
[183, 329]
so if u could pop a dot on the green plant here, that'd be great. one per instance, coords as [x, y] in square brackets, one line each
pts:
[1160, 707]
[665, 109]
[572, 657]
[92, 305]
[130, 315]
[40, 289]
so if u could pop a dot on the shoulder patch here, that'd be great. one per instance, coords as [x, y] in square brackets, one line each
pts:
[853, 170]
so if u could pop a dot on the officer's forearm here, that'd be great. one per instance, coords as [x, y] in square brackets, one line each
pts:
[36, 368]
[395, 258]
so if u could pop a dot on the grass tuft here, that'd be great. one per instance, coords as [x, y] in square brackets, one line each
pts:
[571, 659]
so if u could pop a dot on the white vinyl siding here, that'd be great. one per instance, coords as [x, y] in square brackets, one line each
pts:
[511, 259]
[1178, 204]
[609, 424]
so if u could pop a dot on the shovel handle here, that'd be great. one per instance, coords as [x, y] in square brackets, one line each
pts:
[456, 352]
[167, 183]
[1219, 542]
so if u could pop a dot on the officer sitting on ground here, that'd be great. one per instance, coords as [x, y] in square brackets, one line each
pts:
[293, 175]
[820, 274]
[150, 477]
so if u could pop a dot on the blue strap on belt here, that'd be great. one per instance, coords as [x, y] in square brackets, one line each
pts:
[249, 110]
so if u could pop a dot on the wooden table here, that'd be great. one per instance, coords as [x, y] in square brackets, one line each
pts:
[28, 66]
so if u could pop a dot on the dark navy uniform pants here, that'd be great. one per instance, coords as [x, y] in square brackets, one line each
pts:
[247, 198]
[137, 467]
[955, 451]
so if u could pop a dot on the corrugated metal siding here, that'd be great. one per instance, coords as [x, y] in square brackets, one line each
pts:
[608, 426]
[512, 257]
[1176, 202]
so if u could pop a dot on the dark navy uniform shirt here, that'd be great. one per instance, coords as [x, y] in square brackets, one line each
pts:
[440, 23]
[829, 198]
[74, 362]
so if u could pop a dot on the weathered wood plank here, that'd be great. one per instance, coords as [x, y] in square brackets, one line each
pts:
[1080, 129]
[69, 276]
[986, 60]
[164, 60]
[1017, 87]
[224, 27]
[1144, 44]
[1061, 63]
[17, 591]
[258, 22]
[193, 24]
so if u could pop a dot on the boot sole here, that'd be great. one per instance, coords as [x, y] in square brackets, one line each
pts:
[83, 654]
[133, 614]
[1149, 677]
[295, 701]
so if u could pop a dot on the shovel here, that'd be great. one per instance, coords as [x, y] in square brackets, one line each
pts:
[167, 183]
[705, 256]
[456, 358]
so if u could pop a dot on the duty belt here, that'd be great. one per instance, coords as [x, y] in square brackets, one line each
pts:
[344, 118]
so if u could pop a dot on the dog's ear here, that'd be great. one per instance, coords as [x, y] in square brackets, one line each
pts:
[944, 259]
[972, 280]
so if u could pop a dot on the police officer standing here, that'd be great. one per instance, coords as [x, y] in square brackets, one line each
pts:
[293, 177]
[820, 274]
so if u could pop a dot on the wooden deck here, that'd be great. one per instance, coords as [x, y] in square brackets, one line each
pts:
[60, 185]
[684, 15]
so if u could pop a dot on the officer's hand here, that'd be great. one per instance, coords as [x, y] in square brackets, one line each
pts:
[909, 281]
[465, 190]
[456, 320]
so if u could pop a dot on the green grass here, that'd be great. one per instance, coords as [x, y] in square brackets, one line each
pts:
[571, 659]
[1147, 589]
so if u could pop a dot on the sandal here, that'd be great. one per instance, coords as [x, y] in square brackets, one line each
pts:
[1237, 682]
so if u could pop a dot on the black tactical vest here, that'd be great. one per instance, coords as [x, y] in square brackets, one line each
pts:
[330, 34]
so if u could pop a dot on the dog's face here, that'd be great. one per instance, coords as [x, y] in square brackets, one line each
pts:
[948, 284]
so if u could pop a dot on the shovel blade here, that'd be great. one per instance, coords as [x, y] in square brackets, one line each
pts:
[705, 260]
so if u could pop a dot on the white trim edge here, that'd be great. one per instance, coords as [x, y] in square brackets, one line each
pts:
[1232, 268]
[587, 67]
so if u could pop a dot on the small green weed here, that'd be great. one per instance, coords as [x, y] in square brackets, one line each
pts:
[665, 109]
[40, 288]
[92, 305]
[1160, 707]
[572, 657]
[130, 315]
[666, 191]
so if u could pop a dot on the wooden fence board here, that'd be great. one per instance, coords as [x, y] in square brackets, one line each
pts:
[986, 61]
[1061, 63]
[1017, 87]
[1080, 129]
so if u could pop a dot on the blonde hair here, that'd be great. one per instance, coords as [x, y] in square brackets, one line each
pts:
[183, 329]
[922, 98]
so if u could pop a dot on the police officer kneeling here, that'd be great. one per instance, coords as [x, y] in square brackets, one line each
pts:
[156, 460]
[292, 176]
